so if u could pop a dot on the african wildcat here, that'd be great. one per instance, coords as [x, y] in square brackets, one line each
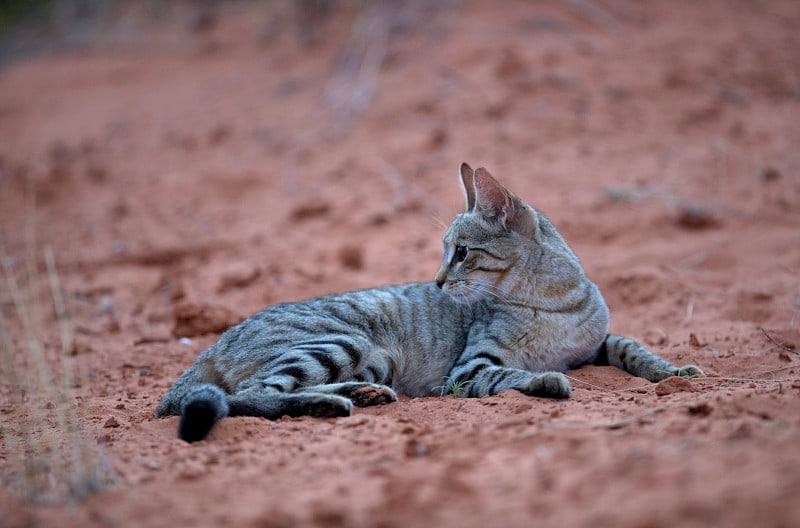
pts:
[510, 309]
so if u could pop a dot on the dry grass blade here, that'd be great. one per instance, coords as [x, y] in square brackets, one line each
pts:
[353, 85]
[774, 342]
[51, 460]
[598, 387]
[795, 310]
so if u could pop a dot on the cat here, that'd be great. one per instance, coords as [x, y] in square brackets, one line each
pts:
[510, 308]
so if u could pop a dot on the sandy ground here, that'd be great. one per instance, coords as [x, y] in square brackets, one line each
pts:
[186, 179]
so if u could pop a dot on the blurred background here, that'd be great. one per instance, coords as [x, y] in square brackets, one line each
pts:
[170, 167]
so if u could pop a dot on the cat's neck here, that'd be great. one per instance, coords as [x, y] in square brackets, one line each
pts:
[545, 279]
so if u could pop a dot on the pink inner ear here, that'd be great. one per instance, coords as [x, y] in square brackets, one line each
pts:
[491, 196]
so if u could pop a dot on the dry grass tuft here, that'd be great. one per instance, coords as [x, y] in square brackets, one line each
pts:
[49, 457]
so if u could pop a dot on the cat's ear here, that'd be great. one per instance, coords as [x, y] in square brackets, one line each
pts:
[468, 185]
[491, 198]
[499, 204]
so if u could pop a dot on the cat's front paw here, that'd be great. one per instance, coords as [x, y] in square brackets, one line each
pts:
[548, 385]
[689, 371]
[329, 407]
[372, 394]
[686, 371]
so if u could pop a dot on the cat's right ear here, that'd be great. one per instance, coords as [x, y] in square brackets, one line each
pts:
[468, 184]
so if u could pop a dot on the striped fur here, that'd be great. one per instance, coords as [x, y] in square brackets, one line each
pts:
[511, 308]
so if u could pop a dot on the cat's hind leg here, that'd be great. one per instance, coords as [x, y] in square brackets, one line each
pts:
[630, 356]
[360, 393]
[483, 374]
[204, 405]
[267, 402]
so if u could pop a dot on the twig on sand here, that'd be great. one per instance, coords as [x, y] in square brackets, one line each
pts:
[772, 371]
[592, 385]
[779, 345]
[748, 379]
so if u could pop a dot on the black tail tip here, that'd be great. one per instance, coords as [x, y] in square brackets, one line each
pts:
[197, 419]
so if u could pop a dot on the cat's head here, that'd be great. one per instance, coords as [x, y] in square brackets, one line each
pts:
[488, 246]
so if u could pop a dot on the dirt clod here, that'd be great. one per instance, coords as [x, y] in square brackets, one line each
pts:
[193, 319]
[673, 384]
[697, 217]
[351, 257]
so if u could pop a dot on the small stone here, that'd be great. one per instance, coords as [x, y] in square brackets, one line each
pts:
[700, 409]
[351, 257]
[769, 174]
[309, 210]
[697, 217]
[196, 319]
[111, 422]
[673, 384]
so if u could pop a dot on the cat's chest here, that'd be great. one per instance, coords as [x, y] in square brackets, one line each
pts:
[529, 340]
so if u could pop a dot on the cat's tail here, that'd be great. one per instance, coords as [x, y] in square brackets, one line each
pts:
[201, 407]
[631, 356]
[200, 404]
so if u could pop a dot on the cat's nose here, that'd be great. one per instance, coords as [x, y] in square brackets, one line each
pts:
[441, 277]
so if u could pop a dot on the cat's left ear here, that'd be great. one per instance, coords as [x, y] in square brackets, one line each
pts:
[498, 203]
[491, 198]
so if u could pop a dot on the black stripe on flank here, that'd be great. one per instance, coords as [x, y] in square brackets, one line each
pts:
[275, 386]
[346, 346]
[474, 372]
[376, 375]
[325, 360]
[294, 371]
[289, 359]
[494, 360]
[496, 378]
[491, 358]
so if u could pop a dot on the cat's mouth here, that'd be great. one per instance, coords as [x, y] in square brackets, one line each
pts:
[463, 293]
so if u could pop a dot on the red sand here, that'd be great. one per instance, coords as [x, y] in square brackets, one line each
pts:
[181, 173]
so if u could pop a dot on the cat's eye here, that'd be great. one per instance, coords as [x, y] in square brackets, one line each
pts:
[460, 254]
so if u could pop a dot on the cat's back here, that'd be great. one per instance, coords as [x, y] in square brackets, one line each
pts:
[414, 326]
[380, 311]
